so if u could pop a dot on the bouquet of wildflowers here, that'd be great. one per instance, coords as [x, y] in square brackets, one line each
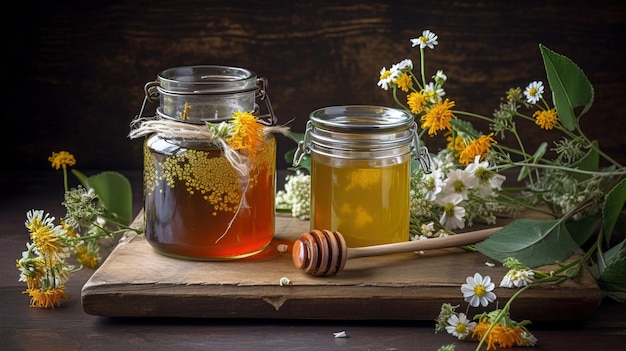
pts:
[99, 208]
[581, 190]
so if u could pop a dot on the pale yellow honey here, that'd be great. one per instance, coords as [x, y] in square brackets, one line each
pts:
[367, 205]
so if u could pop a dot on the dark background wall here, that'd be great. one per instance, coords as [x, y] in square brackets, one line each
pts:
[77, 69]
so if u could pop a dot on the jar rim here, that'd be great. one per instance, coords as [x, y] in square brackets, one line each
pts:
[361, 118]
[214, 78]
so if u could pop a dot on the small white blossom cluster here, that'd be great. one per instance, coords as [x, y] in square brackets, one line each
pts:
[566, 192]
[454, 196]
[296, 196]
[517, 278]
[518, 275]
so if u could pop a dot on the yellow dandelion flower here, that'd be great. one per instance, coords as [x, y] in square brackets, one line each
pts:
[430, 95]
[545, 119]
[48, 240]
[477, 147]
[87, 258]
[416, 102]
[62, 159]
[438, 117]
[513, 93]
[46, 298]
[247, 134]
[455, 144]
[69, 230]
[404, 82]
[31, 271]
[33, 282]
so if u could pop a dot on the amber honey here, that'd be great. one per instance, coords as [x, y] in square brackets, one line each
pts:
[197, 207]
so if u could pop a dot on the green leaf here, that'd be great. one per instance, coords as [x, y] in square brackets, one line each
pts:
[532, 242]
[613, 206]
[114, 190]
[464, 127]
[81, 177]
[583, 229]
[525, 170]
[616, 253]
[620, 225]
[612, 281]
[569, 85]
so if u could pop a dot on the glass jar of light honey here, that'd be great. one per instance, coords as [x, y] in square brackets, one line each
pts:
[360, 171]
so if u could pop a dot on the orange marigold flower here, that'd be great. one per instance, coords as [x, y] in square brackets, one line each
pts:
[62, 159]
[499, 335]
[477, 147]
[438, 117]
[248, 134]
[404, 82]
[545, 119]
[46, 298]
[416, 102]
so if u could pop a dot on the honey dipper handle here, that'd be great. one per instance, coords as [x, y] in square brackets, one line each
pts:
[427, 244]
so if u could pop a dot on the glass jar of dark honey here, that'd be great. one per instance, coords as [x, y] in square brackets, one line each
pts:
[209, 164]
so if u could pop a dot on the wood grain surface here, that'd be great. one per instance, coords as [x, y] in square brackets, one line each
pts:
[77, 69]
[136, 281]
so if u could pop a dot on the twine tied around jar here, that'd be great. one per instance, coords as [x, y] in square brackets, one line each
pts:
[215, 134]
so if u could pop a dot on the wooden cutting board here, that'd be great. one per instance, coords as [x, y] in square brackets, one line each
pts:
[136, 281]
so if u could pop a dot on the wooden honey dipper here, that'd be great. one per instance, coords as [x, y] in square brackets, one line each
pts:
[324, 253]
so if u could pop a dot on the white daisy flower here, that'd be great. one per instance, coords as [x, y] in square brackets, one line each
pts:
[452, 217]
[534, 92]
[517, 278]
[434, 94]
[459, 181]
[460, 326]
[488, 180]
[478, 290]
[386, 78]
[427, 39]
[405, 64]
[37, 218]
[433, 184]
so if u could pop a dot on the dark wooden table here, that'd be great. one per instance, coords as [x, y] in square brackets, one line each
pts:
[69, 328]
